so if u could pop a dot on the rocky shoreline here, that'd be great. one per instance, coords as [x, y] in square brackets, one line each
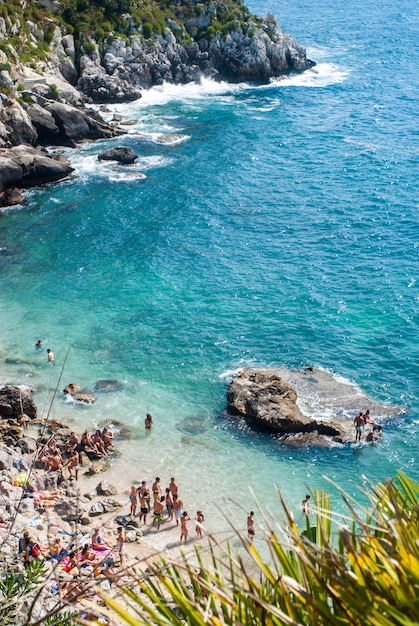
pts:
[47, 103]
[53, 508]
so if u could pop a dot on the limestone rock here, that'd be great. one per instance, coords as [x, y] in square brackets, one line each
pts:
[104, 506]
[105, 488]
[120, 430]
[102, 87]
[23, 166]
[18, 399]
[85, 396]
[27, 444]
[84, 460]
[69, 511]
[98, 467]
[131, 536]
[121, 154]
[72, 389]
[44, 123]
[18, 125]
[267, 400]
[269, 403]
[11, 197]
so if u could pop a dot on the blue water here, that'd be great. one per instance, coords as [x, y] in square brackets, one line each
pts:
[282, 231]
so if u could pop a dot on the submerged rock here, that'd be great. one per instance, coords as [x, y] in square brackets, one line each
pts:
[120, 430]
[108, 385]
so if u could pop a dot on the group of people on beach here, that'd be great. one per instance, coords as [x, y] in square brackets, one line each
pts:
[71, 559]
[153, 499]
[362, 421]
[100, 444]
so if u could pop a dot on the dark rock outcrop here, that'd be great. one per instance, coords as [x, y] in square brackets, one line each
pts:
[15, 401]
[121, 154]
[77, 124]
[24, 166]
[269, 403]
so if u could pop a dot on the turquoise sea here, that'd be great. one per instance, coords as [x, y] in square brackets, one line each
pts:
[280, 230]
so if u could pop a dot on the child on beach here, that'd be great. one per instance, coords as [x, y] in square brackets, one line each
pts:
[199, 521]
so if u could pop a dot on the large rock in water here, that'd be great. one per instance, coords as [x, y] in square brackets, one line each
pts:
[269, 403]
[122, 154]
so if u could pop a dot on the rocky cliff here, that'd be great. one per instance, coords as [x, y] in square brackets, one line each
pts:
[57, 56]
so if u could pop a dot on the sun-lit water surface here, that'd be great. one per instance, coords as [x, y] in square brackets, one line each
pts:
[279, 229]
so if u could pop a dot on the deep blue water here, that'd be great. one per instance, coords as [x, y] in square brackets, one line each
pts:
[283, 231]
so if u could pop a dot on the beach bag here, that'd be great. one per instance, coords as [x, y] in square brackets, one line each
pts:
[35, 551]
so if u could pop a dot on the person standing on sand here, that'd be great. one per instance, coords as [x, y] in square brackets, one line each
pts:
[199, 521]
[120, 541]
[148, 422]
[250, 525]
[133, 500]
[50, 356]
[359, 425]
[178, 508]
[173, 486]
[158, 512]
[169, 504]
[73, 464]
[184, 526]
[156, 489]
[143, 495]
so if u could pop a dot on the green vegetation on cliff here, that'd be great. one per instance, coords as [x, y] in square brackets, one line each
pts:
[29, 31]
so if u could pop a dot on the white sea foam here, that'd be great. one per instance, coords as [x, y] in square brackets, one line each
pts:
[322, 75]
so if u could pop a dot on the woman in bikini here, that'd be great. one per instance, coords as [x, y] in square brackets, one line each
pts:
[184, 526]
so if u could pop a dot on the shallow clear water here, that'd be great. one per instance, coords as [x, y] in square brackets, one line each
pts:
[281, 230]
